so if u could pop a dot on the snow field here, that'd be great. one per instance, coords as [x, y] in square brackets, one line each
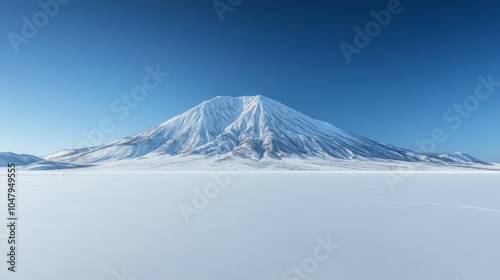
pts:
[123, 224]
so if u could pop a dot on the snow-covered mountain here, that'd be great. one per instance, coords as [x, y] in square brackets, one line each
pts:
[252, 128]
[17, 159]
[32, 162]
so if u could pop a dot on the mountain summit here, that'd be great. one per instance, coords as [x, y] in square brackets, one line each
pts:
[252, 128]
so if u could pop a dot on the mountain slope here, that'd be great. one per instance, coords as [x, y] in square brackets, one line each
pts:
[33, 162]
[253, 128]
[17, 159]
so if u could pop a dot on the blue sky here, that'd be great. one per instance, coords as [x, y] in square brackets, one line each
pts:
[64, 78]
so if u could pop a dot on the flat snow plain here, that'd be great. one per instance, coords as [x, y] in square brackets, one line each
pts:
[124, 225]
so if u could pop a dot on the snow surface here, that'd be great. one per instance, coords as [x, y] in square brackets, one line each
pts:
[203, 163]
[254, 128]
[87, 224]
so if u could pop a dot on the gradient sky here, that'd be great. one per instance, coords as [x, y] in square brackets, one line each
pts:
[396, 90]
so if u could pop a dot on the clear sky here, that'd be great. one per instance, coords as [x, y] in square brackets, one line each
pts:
[85, 55]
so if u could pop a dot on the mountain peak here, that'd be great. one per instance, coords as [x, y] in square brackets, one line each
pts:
[232, 100]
